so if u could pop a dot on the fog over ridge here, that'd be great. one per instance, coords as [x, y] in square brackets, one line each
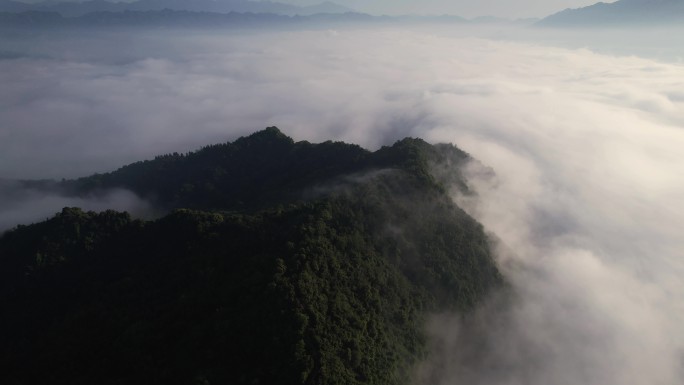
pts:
[23, 206]
[587, 150]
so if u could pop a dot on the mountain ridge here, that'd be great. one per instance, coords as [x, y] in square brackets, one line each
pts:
[299, 166]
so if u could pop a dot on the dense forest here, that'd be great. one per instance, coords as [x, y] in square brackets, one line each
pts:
[278, 262]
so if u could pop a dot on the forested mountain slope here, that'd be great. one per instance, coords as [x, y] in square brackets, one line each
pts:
[280, 263]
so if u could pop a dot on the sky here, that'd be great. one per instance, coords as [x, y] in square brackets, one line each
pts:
[587, 197]
[465, 8]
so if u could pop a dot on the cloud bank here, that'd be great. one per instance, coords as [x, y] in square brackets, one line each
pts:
[588, 198]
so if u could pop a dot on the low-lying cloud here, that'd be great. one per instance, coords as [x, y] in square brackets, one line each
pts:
[587, 149]
[20, 205]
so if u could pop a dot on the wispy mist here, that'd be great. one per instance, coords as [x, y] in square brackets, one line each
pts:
[588, 197]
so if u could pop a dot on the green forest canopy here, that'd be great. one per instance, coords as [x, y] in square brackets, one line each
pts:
[278, 263]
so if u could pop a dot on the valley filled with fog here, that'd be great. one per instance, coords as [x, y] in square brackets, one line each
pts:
[585, 136]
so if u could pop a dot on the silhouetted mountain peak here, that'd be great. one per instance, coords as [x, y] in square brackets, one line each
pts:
[269, 136]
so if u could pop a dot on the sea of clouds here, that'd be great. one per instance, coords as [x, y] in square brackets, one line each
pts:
[588, 151]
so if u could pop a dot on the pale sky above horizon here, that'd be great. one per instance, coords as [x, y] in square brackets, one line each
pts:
[465, 8]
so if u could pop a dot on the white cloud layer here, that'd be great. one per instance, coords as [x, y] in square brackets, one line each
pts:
[588, 151]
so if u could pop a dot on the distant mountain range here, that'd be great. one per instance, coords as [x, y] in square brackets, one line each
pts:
[168, 13]
[171, 19]
[623, 12]
[167, 18]
[71, 9]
